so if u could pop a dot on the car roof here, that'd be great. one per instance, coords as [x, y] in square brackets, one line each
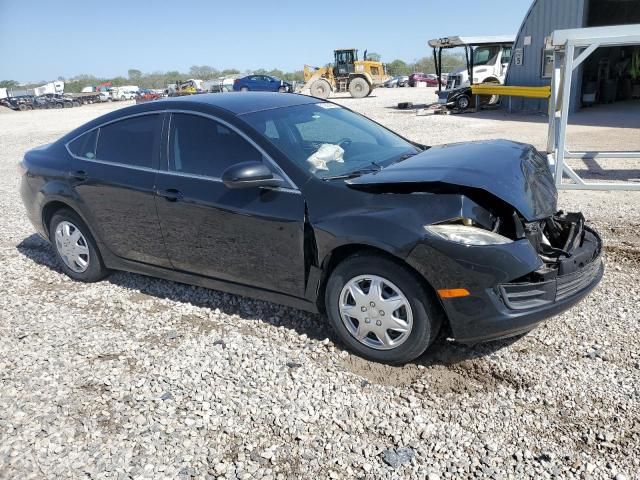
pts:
[242, 102]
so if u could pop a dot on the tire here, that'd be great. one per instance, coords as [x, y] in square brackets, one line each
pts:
[68, 105]
[244, 89]
[463, 102]
[22, 107]
[359, 88]
[490, 99]
[423, 315]
[75, 104]
[320, 89]
[94, 270]
[58, 105]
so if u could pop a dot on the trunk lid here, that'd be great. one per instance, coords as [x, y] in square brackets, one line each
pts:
[514, 172]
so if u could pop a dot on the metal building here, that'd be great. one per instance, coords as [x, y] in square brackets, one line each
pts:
[606, 77]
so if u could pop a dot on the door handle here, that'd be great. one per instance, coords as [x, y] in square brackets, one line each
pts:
[171, 194]
[78, 174]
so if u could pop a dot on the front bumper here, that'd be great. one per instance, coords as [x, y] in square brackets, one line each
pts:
[498, 306]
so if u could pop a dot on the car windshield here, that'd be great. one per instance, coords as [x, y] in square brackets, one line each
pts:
[330, 141]
[485, 55]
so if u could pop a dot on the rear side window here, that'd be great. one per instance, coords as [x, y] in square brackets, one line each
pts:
[201, 146]
[85, 145]
[134, 141]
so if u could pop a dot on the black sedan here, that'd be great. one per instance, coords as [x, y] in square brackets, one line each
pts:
[302, 202]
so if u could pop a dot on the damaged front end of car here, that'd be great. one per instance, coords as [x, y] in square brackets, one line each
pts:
[514, 273]
[510, 258]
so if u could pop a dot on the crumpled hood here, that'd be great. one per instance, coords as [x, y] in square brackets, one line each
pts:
[514, 172]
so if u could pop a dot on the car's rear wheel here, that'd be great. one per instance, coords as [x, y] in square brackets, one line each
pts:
[75, 247]
[380, 309]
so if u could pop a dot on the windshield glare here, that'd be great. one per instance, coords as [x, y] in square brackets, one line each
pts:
[485, 55]
[327, 140]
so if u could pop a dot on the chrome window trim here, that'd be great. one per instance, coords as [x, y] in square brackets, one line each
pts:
[110, 162]
[292, 188]
[219, 180]
[272, 163]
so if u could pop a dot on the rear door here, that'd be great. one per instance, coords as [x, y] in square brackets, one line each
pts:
[113, 170]
[251, 236]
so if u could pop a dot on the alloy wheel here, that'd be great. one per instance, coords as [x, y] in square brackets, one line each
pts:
[375, 312]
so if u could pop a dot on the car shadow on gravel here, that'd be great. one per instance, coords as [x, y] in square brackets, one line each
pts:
[443, 352]
[149, 288]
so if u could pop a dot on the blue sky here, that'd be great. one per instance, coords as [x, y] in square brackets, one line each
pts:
[41, 40]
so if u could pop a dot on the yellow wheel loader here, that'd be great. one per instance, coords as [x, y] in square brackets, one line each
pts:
[347, 74]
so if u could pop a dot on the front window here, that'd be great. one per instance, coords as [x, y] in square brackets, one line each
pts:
[485, 55]
[201, 146]
[328, 140]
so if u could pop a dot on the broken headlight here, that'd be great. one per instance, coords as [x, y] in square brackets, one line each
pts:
[466, 235]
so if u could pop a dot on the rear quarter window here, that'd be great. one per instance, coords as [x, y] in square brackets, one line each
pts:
[132, 141]
[85, 145]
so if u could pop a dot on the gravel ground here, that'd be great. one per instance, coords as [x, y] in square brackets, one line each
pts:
[135, 377]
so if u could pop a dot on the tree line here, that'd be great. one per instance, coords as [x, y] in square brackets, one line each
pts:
[206, 72]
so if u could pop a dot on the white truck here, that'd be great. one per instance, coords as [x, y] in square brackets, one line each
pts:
[487, 57]
[125, 92]
[56, 88]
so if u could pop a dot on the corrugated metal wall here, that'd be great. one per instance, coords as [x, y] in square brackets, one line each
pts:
[543, 17]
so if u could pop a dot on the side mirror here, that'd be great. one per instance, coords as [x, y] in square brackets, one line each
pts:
[250, 175]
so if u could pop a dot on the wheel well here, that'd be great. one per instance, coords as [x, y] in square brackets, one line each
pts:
[339, 254]
[49, 211]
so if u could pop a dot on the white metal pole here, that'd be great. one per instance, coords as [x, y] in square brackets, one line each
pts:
[567, 75]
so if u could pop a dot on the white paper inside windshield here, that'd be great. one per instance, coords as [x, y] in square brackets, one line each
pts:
[327, 153]
[327, 105]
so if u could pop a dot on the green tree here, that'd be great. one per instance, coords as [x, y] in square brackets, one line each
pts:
[8, 84]
[134, 74]
[398, 67]
[376, 57]
[203, 72]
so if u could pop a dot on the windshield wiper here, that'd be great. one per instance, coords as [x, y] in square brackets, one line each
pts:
[405, 156]
[375, 167]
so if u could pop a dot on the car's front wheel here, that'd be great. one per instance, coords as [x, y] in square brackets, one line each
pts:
[380, 309]
[75, 247]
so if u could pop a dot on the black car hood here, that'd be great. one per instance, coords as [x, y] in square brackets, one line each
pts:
[514, 172]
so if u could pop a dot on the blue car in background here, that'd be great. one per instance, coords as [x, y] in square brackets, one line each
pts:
[261, 83]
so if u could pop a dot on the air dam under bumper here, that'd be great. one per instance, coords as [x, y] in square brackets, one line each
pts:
[498, 307]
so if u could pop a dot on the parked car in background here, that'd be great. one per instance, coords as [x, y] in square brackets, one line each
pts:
[299, 201]
[260, 83]
[20, 102]
[61, 101]
[397, 81]
[430, 79]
